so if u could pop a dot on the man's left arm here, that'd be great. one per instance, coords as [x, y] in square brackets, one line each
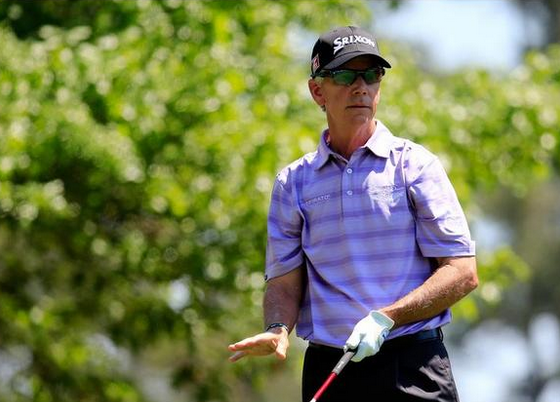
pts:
[454, 278]
[441, 228]
[441, 233]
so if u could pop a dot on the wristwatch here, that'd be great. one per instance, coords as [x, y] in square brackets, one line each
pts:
[277, 325]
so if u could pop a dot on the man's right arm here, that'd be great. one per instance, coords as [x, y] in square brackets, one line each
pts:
[282, 299]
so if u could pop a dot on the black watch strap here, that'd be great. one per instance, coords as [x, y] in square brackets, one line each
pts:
[277, 325]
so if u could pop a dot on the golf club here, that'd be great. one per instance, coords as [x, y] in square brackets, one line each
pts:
[335, 372]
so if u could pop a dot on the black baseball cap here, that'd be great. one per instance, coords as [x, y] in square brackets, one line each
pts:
[340, 45]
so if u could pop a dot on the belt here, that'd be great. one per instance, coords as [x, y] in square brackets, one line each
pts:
[422, 336]
[426, 335]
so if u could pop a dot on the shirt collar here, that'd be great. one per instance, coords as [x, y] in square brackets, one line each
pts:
[323, 151]
[379, 143]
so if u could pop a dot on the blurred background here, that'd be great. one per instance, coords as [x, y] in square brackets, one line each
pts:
[138, 144]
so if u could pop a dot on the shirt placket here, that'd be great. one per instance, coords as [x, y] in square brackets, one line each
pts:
[348, 185]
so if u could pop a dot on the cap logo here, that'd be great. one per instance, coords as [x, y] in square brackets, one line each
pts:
[315, 63]
[340, 42]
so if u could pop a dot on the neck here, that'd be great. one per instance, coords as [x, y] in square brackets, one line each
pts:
[345, 141]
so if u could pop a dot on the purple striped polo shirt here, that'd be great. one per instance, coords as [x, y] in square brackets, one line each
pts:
[363, 230]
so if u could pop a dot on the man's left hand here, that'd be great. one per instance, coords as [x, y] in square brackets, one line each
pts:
[369, 334]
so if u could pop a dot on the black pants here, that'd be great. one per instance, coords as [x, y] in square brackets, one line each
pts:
[406, 369]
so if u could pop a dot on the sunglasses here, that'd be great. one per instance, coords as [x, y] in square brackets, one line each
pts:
[347, 77]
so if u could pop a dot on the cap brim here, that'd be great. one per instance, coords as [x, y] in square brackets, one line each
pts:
[351, 55]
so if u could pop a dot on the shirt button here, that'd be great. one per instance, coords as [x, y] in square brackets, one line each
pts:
[349, 192]
[349, 170]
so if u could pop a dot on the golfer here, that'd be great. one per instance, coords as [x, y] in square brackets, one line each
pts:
[368, 246]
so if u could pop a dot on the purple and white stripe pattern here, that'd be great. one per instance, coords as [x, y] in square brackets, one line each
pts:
[364, 230]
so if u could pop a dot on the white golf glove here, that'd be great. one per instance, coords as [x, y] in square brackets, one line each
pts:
[369, 334]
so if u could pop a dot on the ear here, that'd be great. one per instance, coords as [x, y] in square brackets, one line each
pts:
[316, 92]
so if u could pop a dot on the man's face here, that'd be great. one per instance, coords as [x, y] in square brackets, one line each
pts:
[353, 104]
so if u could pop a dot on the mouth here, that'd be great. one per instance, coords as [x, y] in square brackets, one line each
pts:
[358, 107]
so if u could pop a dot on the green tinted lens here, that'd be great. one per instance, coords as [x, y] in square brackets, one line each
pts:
[347, 77]
[344, 77]
[371, 76]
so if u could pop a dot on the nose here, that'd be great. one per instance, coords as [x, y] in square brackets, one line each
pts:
[359, 86]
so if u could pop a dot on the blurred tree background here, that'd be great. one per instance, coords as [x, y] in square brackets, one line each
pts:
[138, 144]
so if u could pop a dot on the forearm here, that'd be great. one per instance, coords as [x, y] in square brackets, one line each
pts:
[282, 299]
[453, 280]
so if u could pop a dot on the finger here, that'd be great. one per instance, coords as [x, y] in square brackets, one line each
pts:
[254, 340]
[243, 344]
[360, 354]
[234, 347]
[353, 341]
[237, 355]
[282, 350]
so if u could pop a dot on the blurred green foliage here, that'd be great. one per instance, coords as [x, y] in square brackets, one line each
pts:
[138, 144]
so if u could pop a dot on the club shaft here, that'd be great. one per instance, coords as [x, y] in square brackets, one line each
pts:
[335, 372]
[325, 385]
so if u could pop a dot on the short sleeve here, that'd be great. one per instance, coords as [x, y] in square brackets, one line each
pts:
[283, 251]
[441, 226]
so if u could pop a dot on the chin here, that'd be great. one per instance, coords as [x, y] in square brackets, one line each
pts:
[363, 119]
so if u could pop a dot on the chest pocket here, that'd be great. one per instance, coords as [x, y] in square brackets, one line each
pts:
[386, 194]
[388, 204]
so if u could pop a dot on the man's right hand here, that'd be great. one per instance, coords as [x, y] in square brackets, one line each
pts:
[274, 341]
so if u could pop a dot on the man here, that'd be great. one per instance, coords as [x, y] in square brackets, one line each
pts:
[368, 247]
